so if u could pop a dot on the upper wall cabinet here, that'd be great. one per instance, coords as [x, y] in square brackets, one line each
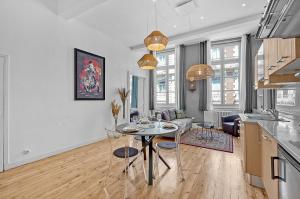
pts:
[281, 62]
[283, 53]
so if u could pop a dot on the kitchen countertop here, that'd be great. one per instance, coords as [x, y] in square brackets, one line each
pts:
[287, 134]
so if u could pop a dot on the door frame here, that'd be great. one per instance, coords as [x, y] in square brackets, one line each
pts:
[5, 113]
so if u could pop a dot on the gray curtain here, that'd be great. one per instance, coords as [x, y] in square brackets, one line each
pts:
[203, 83]
[134, 92]
[252, 47]
[181, 78]
[151, 89]
[249, 76]
[255, 45]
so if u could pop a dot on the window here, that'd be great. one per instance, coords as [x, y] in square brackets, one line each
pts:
[286, 97]
[165, 79]
[225, 59]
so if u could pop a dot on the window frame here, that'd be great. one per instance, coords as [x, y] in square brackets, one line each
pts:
[222, 62]
[165, 68]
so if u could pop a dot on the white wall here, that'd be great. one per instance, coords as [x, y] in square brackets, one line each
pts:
[43, 116]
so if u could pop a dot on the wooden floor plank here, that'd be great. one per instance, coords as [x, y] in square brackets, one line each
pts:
[80, 174]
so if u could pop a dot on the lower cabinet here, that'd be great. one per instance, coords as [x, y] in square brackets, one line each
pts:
[269, 150]
[251, 148]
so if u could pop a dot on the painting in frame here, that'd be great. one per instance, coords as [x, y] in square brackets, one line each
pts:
[89, 76]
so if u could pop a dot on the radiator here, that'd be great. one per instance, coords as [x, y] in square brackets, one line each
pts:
[215, 117]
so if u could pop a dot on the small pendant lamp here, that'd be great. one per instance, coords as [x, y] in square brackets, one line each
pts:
[147, 62]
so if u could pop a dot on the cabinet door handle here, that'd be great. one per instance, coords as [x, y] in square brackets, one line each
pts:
[282, 59]
[265, 137]
[279, 61]
[272, 169]
[270, 67]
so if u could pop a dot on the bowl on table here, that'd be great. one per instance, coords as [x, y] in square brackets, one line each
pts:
[131, 129]
[169, 126]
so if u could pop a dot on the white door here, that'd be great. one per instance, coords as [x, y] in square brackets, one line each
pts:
[2, 62]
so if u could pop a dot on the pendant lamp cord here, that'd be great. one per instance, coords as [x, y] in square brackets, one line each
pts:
[147, 25]
[155, 14]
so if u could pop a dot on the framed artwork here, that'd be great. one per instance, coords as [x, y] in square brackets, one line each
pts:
[89, 76]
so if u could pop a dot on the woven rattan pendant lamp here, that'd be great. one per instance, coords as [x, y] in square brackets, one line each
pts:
[156, 41]
[199, 72]
[147, 62]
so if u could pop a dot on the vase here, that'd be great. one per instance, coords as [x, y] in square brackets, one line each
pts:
[123, 110]
[116, 122]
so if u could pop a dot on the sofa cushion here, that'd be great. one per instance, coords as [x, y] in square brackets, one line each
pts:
[172, 114]
[166, 116]
[180, 114]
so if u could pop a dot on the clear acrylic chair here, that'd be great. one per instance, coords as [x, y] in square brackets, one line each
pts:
[171, 146]
[122, 146]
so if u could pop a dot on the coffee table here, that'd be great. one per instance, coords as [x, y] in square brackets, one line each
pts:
[206, 127]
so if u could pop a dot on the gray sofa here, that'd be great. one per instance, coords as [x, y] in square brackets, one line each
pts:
[176, 117]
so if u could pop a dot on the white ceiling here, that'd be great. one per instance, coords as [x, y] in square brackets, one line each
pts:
[126, 20]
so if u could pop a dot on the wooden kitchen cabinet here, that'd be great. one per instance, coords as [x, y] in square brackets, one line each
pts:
[261, 62]
[251, 148]
[285, 52]
[268, 150]
[242, 141]
[281, 62]
[272, 56]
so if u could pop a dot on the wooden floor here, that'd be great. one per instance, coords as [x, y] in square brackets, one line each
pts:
[80, 174]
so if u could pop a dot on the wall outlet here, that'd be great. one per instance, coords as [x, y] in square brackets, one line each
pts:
[26, 151]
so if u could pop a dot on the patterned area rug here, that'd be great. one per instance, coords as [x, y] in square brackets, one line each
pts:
[216, 140]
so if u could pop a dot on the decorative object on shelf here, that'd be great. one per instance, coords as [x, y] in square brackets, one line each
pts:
[89, 76]
[123, 95]
[115, 109]
[297, 75]
[156, 41]
[192, 86]
[199, 72]
[147, 62]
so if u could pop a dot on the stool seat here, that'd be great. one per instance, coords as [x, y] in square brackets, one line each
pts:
[120, 152]
[167, 145]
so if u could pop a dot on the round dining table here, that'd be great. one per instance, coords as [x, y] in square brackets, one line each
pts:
[150, 131]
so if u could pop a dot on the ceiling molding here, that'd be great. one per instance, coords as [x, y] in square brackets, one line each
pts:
[73, 8]
[196, 34]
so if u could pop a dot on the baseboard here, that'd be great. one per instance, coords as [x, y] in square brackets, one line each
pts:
[47, 155]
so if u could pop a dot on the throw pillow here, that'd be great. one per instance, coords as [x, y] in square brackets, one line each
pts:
[180, 114]
[166, 116]
[172, 114]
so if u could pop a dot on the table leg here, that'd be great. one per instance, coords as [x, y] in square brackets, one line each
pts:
[150, 168]
[144, 148]
[163, 160]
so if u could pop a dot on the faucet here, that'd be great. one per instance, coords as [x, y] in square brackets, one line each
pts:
[274, 112]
